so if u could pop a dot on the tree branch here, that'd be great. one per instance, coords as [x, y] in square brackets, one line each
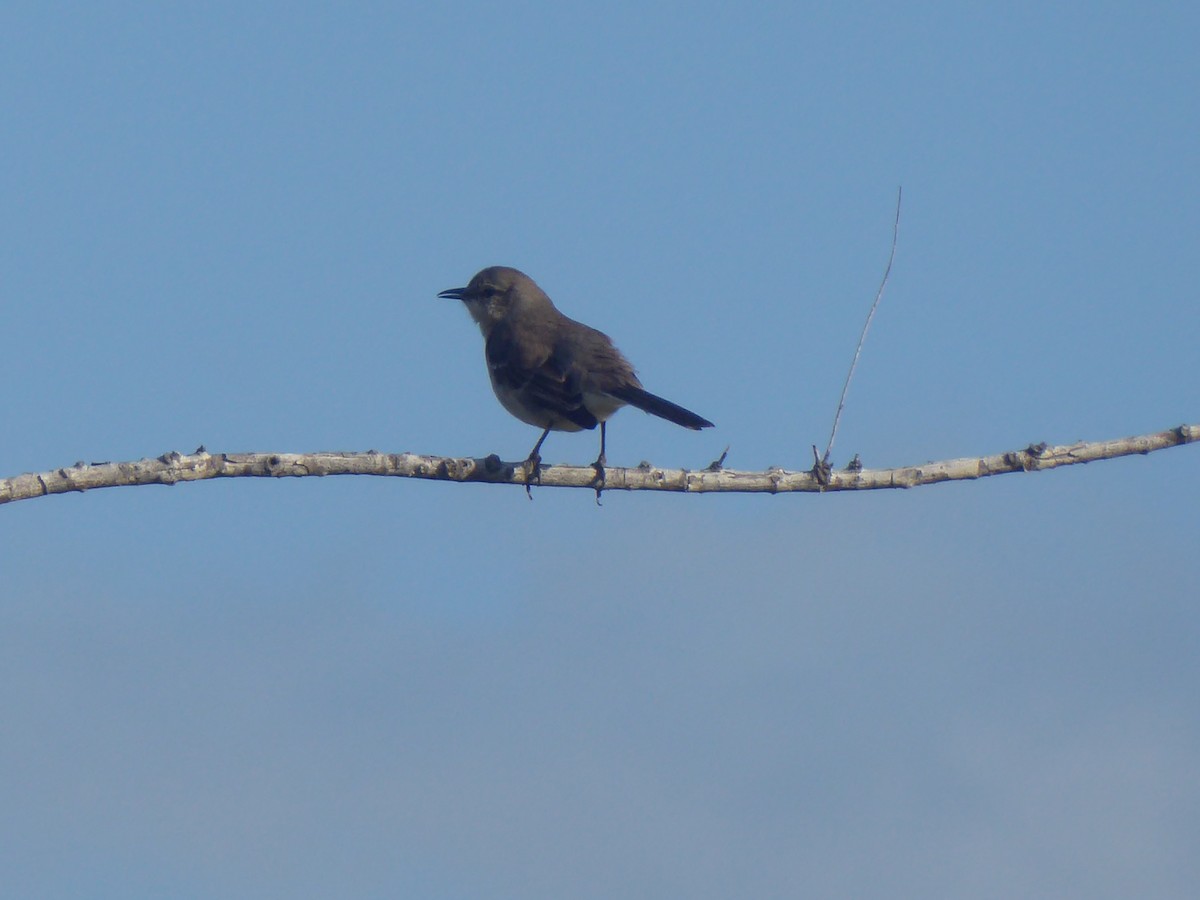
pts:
[174, 467]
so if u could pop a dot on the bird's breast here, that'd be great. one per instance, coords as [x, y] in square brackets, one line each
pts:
[523, 406]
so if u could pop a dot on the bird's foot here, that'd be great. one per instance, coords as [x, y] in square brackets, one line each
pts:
[533, 472]
[598, 481]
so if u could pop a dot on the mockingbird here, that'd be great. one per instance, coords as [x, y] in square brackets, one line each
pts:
[551, 371]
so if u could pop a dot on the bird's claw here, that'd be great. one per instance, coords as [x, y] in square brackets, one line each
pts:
[598, 481]
[533, 472]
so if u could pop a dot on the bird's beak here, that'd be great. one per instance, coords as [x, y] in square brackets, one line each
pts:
[453, 294]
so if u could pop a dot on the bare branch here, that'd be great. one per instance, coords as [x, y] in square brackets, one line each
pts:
[173, 467]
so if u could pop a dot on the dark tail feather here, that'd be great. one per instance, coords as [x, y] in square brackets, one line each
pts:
[657, 406]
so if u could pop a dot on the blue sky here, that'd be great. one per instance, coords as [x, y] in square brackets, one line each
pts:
[227, 224]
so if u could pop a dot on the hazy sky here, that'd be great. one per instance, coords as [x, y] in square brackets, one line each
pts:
[226, 224]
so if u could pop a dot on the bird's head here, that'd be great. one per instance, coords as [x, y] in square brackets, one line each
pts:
[494, 292]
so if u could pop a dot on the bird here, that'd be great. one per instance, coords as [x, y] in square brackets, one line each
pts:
[551, 371]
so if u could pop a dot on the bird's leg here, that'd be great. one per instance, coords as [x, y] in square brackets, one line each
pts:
[602, 459]
[533, 465]
[599, 464]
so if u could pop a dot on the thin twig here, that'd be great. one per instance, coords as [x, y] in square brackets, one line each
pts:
[863, 337]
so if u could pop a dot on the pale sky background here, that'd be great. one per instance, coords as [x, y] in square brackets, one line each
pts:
[227, 223]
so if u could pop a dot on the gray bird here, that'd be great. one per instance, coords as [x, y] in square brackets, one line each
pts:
[551, 371]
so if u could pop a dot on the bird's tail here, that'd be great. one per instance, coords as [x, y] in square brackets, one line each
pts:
[657, 406]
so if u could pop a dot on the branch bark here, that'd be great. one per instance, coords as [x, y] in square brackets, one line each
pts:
[173, 467]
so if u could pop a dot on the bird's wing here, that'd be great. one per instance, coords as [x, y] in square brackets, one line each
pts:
[542, 375]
